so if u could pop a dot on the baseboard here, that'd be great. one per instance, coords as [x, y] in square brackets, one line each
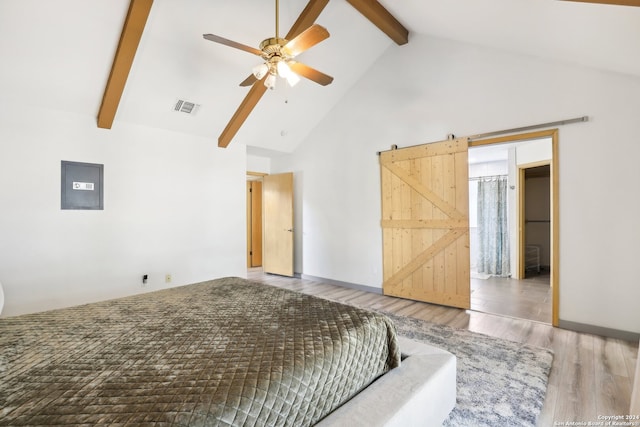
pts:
[599, 330]
[295, 275]
[349, 285]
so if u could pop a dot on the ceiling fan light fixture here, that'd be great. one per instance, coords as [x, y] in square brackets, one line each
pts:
[283, 69]
[270, 81]
[293, 79]
[260, 70]
[285, 72]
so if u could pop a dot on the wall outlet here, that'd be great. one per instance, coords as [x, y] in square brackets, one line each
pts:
[167, 278]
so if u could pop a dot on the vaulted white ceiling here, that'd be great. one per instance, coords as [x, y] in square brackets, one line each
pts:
[58, 54]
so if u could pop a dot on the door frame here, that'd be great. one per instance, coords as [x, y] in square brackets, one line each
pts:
[554, 200]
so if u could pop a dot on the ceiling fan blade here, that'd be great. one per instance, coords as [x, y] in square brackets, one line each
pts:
[310, 73]
[307, 17]
[305, 40]
[248, 103]
[249, 80]
[231, 43]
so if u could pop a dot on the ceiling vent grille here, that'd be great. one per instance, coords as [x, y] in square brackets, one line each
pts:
[187, 107]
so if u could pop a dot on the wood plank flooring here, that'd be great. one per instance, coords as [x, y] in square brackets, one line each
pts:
[529, 298]
[590, 375]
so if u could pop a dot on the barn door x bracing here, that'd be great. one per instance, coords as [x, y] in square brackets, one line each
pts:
[425, 223]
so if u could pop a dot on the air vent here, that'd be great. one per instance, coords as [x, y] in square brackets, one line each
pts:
[187, 107]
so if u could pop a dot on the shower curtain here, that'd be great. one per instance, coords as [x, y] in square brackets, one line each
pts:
[493, 230]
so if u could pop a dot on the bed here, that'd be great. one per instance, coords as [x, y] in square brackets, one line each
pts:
[224, 352]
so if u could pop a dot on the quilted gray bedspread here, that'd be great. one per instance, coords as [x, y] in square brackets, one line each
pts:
[226, 352]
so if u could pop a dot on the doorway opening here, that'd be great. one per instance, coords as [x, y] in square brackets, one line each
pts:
[512, 234]
[270, 222]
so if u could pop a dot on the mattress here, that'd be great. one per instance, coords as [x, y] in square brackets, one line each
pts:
[226, 352]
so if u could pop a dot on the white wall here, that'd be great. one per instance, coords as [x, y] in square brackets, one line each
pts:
[171, 205]
[534, 152]
[431, 87]
[258, 164]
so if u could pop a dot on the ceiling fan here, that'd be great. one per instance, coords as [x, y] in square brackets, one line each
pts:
[278, 56]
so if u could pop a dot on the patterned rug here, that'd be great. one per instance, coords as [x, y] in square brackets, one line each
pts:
[499, 382]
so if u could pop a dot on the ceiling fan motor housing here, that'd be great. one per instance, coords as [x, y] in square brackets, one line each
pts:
[272, 47]
[272, 53]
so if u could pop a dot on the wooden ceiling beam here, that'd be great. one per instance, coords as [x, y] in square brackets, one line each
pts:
[129, 39]
[613, 2]
[383, 19]
[246, 107]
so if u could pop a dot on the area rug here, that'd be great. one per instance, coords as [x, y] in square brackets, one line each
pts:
[499, 382]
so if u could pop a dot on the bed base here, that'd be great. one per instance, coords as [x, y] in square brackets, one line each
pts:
[422, 391]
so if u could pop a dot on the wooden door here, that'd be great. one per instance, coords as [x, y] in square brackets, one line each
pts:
[277, 196]
[425, 223]
[254, 223]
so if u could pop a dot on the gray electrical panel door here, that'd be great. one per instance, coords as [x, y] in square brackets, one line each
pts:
[82, 186]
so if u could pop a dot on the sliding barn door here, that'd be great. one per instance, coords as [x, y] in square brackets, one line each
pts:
[277, 199]
[425, 223]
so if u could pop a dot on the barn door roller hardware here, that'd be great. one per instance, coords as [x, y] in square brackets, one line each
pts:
[506, 131]
[532, 127]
